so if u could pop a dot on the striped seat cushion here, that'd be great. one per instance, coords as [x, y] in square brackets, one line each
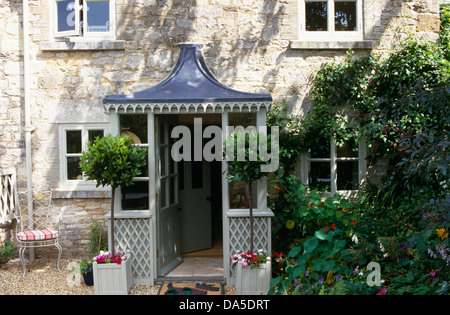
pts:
[37, 235]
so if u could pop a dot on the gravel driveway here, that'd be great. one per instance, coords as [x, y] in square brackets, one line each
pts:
[43, 278]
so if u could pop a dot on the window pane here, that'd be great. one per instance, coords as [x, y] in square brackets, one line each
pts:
[93, 134]
[144, 170]
[348, 149]
[98, 16]
[135, 197]
[242, 119]
[73, 141]
[239, 195]
[345, 16]
[320, 175]
[347, 175]
[134, 126]
[163, 161]
[73, 169]
[197, 174]
[163, 192]
[316, 15]
[321, 149]
[172, 187]
[181, 174]
[66, 15]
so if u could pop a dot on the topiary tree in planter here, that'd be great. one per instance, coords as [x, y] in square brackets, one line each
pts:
[113, 161]
[245, 163]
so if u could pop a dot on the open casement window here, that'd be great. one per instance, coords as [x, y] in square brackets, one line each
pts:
[136, 196]
[331, 20]
[73, 141]
[88, 19]
[239, 191]
[335, 168]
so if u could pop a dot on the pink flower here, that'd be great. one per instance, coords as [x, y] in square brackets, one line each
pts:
[382, 291]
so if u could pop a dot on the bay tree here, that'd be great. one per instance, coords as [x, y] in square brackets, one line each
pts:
[246, 154]
[113, 161]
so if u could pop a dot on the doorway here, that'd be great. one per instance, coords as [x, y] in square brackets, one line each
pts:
[199, 205]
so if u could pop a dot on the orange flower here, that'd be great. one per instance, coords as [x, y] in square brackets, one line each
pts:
[333, 226]
[326, 228]
[353, 222]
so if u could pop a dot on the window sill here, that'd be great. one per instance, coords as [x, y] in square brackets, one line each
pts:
[130, 214]
[81, 194]
[246, 213]
[359, 44]
[83, 45]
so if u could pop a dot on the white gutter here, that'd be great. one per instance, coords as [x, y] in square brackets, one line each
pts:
[28, 128]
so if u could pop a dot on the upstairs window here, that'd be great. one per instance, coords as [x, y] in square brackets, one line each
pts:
[331, 20]
[88, 19]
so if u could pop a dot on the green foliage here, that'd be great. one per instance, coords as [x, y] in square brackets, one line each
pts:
[445, 30]
[6, 251]
[399, 104]
[290, 140]
[113, 161]
[85, 266]
[245, 163]
[98, 238]
[320, 230]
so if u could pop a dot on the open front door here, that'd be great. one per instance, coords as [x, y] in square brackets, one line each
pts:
[169, 224]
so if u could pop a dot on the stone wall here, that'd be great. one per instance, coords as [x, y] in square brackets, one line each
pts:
[249, 45]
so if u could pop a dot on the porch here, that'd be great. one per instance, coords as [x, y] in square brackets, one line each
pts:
[183, 199]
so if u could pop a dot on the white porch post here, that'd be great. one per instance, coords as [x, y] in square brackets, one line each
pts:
[225, 206]
[152, 194]
[261, 187]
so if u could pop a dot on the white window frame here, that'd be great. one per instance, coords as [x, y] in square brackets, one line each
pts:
[80, 33]
[331, 34]
[333, 159]
[63, 155]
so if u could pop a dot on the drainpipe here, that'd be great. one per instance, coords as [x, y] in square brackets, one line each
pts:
[28, 128]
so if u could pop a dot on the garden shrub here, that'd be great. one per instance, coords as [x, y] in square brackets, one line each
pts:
[399, 104]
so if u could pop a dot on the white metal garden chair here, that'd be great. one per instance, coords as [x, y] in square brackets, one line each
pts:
[42, 230]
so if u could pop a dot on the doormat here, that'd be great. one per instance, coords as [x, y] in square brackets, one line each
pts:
[191, 289]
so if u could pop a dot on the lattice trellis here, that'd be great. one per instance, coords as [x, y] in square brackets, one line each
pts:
[7, 194]
[133, 235]
[239, 235]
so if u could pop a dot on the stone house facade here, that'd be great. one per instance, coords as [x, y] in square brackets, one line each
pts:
[256, 46]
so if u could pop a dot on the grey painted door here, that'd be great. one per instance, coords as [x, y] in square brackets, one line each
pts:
[169, 224]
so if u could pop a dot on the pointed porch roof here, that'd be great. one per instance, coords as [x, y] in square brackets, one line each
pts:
[191, 84]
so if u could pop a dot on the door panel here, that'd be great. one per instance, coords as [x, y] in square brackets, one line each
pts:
[195, 201]
[168, 216]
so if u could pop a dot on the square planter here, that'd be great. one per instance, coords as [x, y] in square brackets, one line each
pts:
[113, 279]
[253, 281]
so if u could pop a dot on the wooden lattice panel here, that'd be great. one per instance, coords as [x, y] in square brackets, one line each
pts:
[7, 194]
[133, 235]
[239, 235]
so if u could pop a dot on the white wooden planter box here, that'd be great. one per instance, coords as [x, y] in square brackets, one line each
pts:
[113, 279]
[253, 281]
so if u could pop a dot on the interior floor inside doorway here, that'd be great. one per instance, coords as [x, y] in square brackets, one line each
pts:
[203, 263]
